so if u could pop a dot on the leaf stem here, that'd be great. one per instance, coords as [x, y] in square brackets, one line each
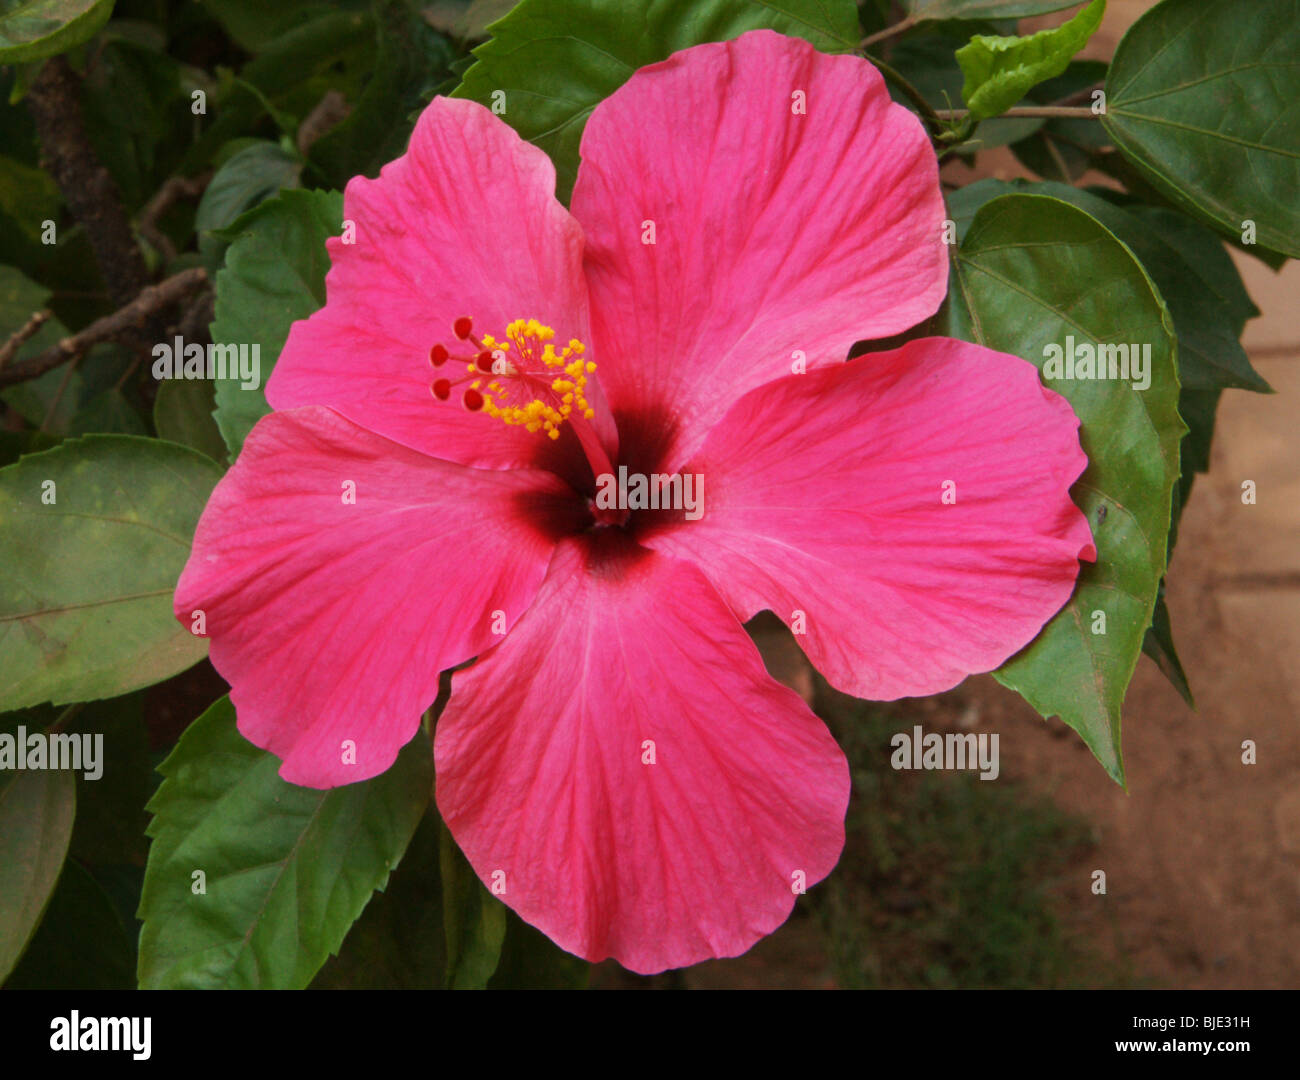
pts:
[1079, 112]
[913, 94]
[62, 719]
[888, 32]
[9, 349]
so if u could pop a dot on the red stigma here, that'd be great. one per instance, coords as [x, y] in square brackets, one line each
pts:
[442, 389]
[473, 400]
[485, 362]
[438, 355]
[462, 327]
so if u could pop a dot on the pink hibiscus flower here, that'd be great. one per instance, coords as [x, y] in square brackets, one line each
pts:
[617, 762]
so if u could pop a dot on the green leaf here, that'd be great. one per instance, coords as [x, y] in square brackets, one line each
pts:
[274, 275]
[1198, 409]
[1158, 643]
[398, 943]
[70, 267]
[72, 399]
[556, 60]
[14, 444]
[411, 60]
[328, 51]
[37, 808]
[928, 61]
[1001, 70]
[86, 579]
[1203, 251]
[1199, 282]
[34, 29]
[111, 818]
[182, 413]
[108, 412]
[20, 298]
[255, 24]
[251, 176]
[1031, 271]
[1202, 99]
[1209, 306]
[49, 402]
[81, 943]
[286, 869]
[1206, 307]
[532, 961]
[28, 197]
[474, 921]
[981, 9]
[137, 116]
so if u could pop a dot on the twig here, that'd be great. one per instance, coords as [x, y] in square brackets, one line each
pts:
[1083, 112]
[55, 104]
[1274, 352]
[127, 321]
[888, 32]
[130, 370]
[61, 721]
[172, 190]
[28, 329]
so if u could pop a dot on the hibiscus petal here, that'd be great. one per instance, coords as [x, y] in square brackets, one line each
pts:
[824, 495]
[331, 619]
[540, 758]
[464, 223]
[777, 235]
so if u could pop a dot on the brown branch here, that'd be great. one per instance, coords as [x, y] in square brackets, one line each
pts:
[1025, 111]
[172, 191]
[10, 348]
[55, 104]
[129, 321]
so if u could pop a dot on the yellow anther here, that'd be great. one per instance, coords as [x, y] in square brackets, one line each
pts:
[534, 351]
